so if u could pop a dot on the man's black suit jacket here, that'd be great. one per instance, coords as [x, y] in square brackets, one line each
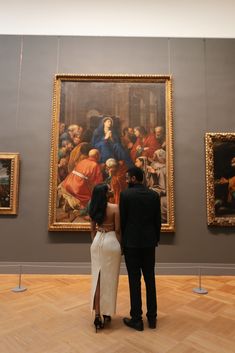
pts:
[140, 215]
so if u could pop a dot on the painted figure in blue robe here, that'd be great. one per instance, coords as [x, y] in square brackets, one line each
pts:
[107, 141]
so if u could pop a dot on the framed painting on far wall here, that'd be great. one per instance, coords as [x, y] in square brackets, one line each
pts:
[220, 177]
[9, 183]
[101, 126]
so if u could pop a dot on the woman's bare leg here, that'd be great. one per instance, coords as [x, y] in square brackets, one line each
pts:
[96, 305]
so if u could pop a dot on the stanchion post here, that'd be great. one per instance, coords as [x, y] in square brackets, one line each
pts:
[19, 288]
[200, 290]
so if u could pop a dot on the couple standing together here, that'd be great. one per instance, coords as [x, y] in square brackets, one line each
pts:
[133, 226]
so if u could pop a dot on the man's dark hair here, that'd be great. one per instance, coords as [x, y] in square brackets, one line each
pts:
[137, 172]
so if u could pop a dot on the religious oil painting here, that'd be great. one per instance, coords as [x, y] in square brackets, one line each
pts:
[101, 126]
[9, 183]
[220, 175]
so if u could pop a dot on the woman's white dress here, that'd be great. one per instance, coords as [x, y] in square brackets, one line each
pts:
[105, 261]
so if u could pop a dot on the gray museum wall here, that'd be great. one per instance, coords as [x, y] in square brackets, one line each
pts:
[203, 74]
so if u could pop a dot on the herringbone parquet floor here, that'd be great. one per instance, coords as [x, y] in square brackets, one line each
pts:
[53, 316]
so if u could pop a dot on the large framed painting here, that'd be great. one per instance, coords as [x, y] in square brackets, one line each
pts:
[9, 183]
[103, 125]
[220, 176]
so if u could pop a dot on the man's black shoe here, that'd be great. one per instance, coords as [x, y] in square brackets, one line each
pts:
[136, 325]
[152, 323]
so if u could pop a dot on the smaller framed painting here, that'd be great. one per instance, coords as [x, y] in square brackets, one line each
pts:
[9, 182]
[220, 178]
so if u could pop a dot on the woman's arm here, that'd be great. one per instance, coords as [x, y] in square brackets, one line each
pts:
[93, 230]
[117, 224]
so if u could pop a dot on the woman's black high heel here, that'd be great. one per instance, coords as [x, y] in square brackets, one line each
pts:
[107, 319]
[98, 323]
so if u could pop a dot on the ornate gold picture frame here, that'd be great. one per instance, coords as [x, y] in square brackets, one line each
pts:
[220, 178]
[9, 183]
[103, 124]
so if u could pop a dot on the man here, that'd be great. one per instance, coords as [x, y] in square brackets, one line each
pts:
[160, 136]
[81, 181]
[145, 145]
[116, 177]
[140, 225]
[78, 153]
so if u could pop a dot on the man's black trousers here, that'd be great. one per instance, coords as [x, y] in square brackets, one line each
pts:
[141, 260]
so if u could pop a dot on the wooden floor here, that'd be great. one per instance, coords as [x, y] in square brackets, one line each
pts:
[53, 316]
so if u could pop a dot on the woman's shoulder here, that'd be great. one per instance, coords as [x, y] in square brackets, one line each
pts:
[111, 211]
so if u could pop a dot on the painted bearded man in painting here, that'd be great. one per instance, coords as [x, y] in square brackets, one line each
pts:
[77, 187]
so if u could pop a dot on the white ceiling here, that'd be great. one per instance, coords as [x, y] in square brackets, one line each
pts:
[145, 18]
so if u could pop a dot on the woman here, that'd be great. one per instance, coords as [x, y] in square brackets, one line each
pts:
[141, 162]
[106, 139]
[105, 254]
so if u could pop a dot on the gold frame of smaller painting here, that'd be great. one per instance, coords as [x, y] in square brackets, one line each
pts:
[220, 178]
[9, 183]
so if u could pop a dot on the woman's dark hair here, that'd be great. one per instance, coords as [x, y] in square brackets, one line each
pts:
[98, 203]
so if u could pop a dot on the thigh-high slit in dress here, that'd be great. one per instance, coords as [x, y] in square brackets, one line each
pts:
[105, 264]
